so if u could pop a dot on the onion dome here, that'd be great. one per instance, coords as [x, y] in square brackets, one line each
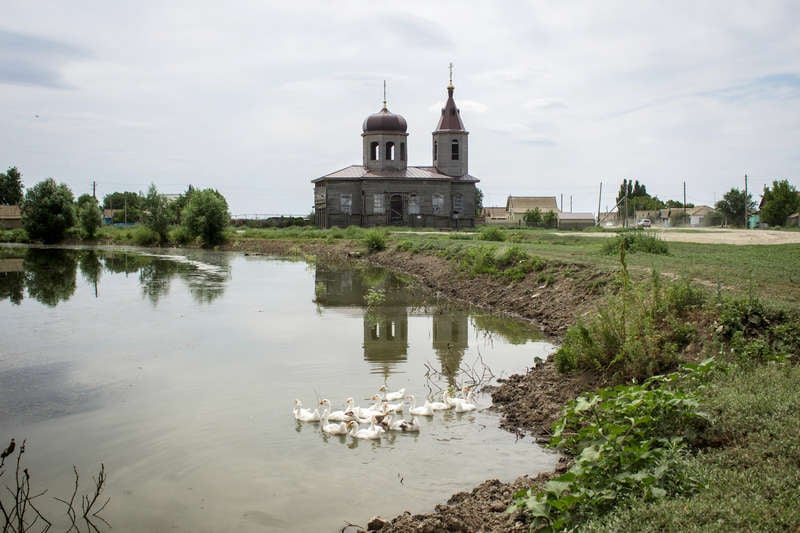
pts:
[384, 121]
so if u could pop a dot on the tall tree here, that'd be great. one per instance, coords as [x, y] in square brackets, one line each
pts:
[734, 205]
[638, 199]
[779, 202]
[129, 202]
[155, 213]
[11, 187]
[206, 216]
[48, 211]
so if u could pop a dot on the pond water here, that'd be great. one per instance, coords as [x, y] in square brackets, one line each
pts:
[178, 369]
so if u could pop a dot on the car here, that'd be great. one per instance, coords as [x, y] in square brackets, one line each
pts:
[644, 223]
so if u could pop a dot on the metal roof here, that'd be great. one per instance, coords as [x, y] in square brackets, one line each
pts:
[10, 212]
[361, 172]
[451, 116]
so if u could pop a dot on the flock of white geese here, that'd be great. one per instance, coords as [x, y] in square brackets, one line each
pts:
[385, 414]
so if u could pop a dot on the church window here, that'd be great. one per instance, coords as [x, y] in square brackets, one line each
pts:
[377, 204]
[458, 203]
[437, 200]
[402, 151]
[413, 204]
[390, 151]
[454, 150]
[346, 203]
[373, 151]
[435, 150]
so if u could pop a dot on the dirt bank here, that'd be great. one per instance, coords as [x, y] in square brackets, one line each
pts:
[528, 404]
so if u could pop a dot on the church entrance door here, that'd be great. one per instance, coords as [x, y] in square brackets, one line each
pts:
[396, 210]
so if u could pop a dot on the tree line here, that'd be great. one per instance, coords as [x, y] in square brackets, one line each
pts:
[50, 211]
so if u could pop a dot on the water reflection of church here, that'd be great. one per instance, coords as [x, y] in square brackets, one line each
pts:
[385, 325]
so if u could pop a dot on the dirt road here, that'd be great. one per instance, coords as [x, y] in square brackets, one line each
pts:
[719, 235]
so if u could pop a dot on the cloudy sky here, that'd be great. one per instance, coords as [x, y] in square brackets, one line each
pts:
[257, 98]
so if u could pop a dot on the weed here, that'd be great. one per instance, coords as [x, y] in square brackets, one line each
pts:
[644, 242]
[374, 240]
[491, 234]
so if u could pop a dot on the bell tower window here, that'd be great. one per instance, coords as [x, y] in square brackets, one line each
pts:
[390, 151]
[435, 150]
[373, 151]
[454, 150]
[402, 151]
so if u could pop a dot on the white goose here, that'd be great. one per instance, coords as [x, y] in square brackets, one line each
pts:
[441, 406]
[391, 396]
[304, 415]
[424, 410]
[332, 428]
[336, 416]
[373, 432]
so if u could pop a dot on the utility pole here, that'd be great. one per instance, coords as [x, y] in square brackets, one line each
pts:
[570, 203]
[562, 202]
[684, 202]
[746, 223]
[599, 201]
[94, 190]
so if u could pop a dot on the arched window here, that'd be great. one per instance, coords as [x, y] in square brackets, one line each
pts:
[390, 151]
[373, 151]
[402, 151]
[435, 150]
[454, 150]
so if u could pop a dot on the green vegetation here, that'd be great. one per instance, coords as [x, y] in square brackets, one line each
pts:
[89, 216]
[11, 187]
[779, 202]
[375, 240]
[47, 211]
[206, 216]
[629, 443]
[733, 206]
[636, 241]
[156, 214]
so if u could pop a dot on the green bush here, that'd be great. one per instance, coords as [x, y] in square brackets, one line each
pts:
[18, 235]
[492, 233]
[206, 216]
[636, 334]
[48, 211]
[144, 236]
[180, 235]
[636, 241]
[375, 240]
[629, 444]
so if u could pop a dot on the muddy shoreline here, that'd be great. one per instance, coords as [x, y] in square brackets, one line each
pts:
[528, 403]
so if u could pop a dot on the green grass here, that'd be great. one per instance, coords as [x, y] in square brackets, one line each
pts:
[750, 484]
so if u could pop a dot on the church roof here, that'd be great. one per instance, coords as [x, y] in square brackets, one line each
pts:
[384, 121]
[451, 116]
[361, 172]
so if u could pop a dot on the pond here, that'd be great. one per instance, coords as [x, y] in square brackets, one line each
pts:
[178, 369]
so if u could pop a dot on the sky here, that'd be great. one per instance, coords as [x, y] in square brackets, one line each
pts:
[257, 98]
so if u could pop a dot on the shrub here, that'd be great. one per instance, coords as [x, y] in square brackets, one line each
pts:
[144, 236]
[90, 217]
[206, 216]
[180, 235]
[375, 240]
[636, 241]
[48, 211]
[636, 334]
[491, 234]
[629, 444]
[14, 235]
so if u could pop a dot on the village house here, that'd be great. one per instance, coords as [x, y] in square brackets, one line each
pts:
[385, 190]
[10, 217]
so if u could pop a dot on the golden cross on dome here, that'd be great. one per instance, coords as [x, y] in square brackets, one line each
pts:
[451, 75]
[384, 94]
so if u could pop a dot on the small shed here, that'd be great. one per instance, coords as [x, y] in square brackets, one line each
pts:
[10, 217]
[575, 220]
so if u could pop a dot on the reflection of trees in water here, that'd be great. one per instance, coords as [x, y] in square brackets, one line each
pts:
[50, 275]
[91, 267]
[155, 277]
[11, 286]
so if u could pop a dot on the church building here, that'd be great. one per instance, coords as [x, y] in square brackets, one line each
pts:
[384, 190]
